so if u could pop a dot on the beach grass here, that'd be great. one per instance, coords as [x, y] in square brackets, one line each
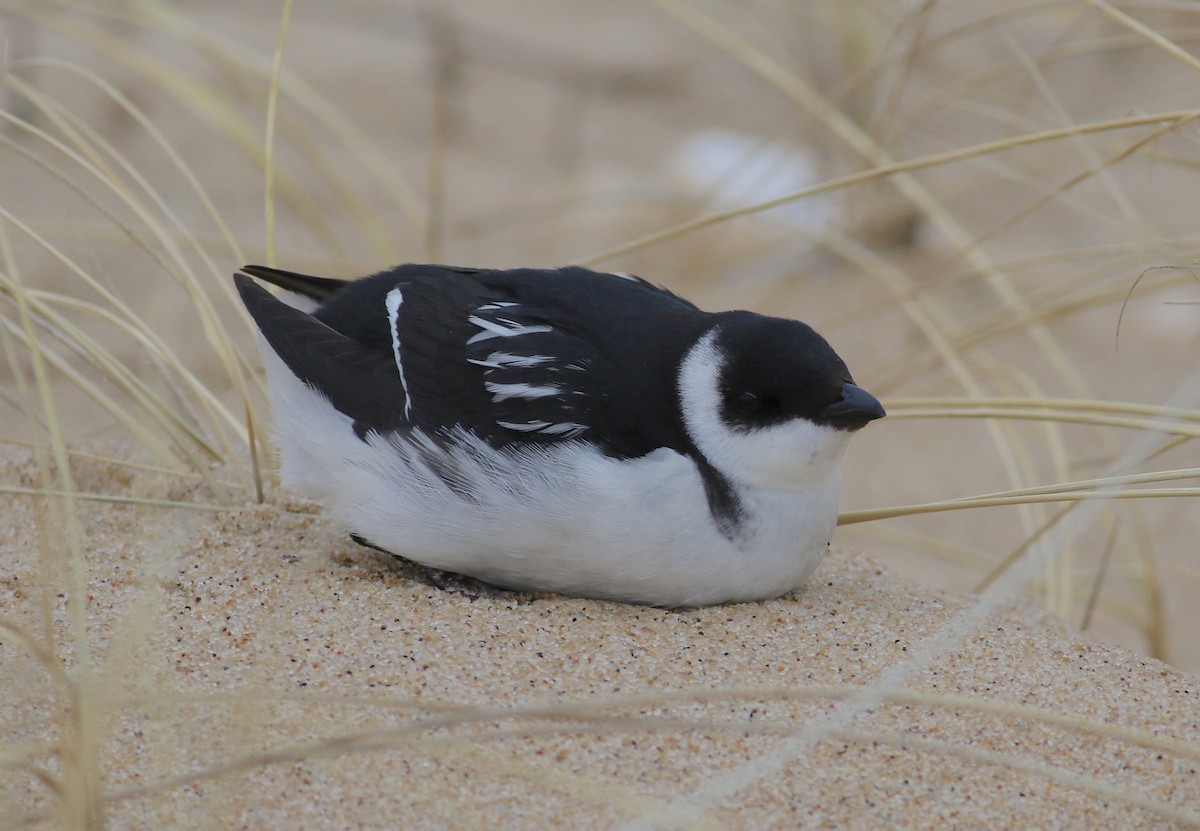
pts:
[1009, 266]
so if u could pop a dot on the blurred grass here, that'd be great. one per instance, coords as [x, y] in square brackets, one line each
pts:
[1015, 182]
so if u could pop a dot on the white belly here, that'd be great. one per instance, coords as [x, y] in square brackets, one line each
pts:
[561, 518]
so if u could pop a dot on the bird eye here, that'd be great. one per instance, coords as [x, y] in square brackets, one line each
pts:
[747, 402]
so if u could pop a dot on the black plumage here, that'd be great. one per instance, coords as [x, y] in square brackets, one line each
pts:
[615, 345]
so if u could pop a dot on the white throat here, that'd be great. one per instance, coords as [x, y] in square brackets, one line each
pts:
[792, 455]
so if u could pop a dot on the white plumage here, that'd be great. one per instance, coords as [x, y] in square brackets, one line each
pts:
[560, 518]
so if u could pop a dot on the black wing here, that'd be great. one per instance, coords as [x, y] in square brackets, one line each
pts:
[473, 353]
[526, 356]
[536, 356]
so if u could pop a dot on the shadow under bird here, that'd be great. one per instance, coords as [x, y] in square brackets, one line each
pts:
[560, 429]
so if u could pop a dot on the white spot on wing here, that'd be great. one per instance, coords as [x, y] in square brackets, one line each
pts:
[502, 328]
[625, 275]
[394, 299]
[566, 429]
[503, 392]
[506, 360]
[525, 426]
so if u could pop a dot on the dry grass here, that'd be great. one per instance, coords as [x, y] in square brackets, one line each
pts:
[1010, 184]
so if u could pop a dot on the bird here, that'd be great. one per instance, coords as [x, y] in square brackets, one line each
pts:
[559, 430]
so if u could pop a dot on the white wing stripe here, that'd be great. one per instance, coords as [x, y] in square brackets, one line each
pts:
[503, 392]
[502, 329]
[394, 299]
[525, 426]
[566, 429]
[505, 360]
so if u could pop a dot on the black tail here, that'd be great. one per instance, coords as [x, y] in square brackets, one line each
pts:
[360, 382]
[316, 288]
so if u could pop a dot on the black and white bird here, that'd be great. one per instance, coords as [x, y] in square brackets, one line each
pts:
[560, 429]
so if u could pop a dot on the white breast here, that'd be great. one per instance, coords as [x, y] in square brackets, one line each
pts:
[559, 517]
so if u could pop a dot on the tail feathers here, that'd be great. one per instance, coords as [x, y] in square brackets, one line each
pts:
[314, 288]
[360, 382]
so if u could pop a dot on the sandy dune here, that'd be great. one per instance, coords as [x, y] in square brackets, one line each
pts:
[266, 672]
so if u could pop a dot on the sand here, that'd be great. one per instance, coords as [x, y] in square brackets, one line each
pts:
[262, 671]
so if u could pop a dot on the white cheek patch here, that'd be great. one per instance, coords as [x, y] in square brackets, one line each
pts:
[698, 376]
[790, 455]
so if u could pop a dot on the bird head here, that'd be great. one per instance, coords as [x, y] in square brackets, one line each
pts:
[769, 403]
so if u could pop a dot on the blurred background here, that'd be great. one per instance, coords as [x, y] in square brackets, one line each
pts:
[1005, 253]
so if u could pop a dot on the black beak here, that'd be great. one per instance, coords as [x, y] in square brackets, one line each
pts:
[853, 411]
